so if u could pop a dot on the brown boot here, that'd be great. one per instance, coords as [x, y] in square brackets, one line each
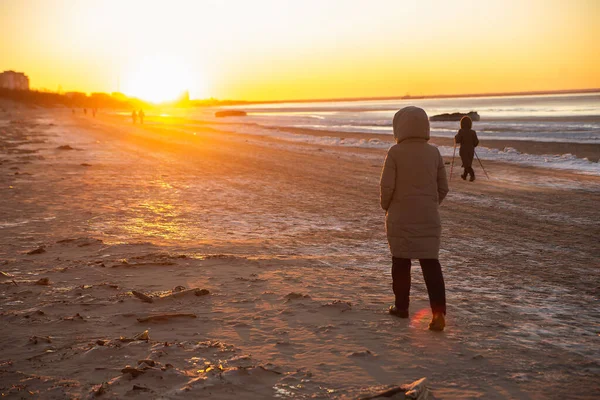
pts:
[398, 313]
[438, 322]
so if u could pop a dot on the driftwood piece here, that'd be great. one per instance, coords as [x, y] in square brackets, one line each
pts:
[183, 293]
[165, 317]
[5, 275]
[387, 393]
[140, 336]
[142, 296]
[416, 390]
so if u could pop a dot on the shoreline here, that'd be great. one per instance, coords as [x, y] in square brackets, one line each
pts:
[581, 150]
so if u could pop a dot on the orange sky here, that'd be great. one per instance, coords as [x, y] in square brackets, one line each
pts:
[278, 49]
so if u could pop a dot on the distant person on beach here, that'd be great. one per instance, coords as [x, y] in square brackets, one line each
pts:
[85, 111]
[141, 115]
[134, 116]
[94, 112]
[413, 184]
[467, 138]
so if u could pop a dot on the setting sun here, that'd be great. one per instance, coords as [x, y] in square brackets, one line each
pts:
[160, 78]
[276, 50]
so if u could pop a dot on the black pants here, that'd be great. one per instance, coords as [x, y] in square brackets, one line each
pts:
[469, 171]
[434, 280]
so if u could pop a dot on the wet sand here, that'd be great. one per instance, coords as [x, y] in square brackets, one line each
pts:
[289, 241]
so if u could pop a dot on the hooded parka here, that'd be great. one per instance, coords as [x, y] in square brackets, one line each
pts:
[413, 184]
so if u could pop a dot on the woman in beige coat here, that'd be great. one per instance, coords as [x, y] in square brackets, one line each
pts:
[413, 184]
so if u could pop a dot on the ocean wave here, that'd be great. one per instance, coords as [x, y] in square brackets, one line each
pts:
[510, 155]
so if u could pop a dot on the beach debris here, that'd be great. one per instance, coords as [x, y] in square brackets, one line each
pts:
[339, 305]
[85, 165]
[34, 314]
[39, 250]
[80, 242]
[37, 356]
[140, 336]
[167, 366]
[142, 296]
[99, 390]
[5, 275]
[296, 296]
[65, 147]
[76, 317]
[165, 317]
[385, 394]
[143, 366]
[133, 371]
[216, 345]
[416, 390]
[147, 361]
[362, 354]
[138, 388]
[182, 293]
[43, 282]
[326, 328]
[178, 289]
[101, 342]
[38, 339]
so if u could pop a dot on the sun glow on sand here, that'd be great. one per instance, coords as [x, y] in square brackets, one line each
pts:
[160, 78]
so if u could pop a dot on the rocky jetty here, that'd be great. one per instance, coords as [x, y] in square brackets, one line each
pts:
[455, 116]
[230, 113]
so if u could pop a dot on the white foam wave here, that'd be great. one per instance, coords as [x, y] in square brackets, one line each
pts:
[510, 155]
[555, 161]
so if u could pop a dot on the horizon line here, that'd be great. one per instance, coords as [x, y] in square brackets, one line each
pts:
[350, 99]
[409, 97]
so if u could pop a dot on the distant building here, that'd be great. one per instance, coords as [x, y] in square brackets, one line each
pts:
[14, 80]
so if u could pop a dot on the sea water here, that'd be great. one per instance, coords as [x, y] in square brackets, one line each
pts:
[571, 118]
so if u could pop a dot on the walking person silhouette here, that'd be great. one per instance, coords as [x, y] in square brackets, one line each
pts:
[467, 138]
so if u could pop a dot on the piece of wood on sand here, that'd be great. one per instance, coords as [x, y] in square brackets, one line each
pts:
[165, 317]
[416, 390]
[183, 293]
[143, 297]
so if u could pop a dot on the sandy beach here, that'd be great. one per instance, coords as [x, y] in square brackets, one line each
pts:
[285, 243]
